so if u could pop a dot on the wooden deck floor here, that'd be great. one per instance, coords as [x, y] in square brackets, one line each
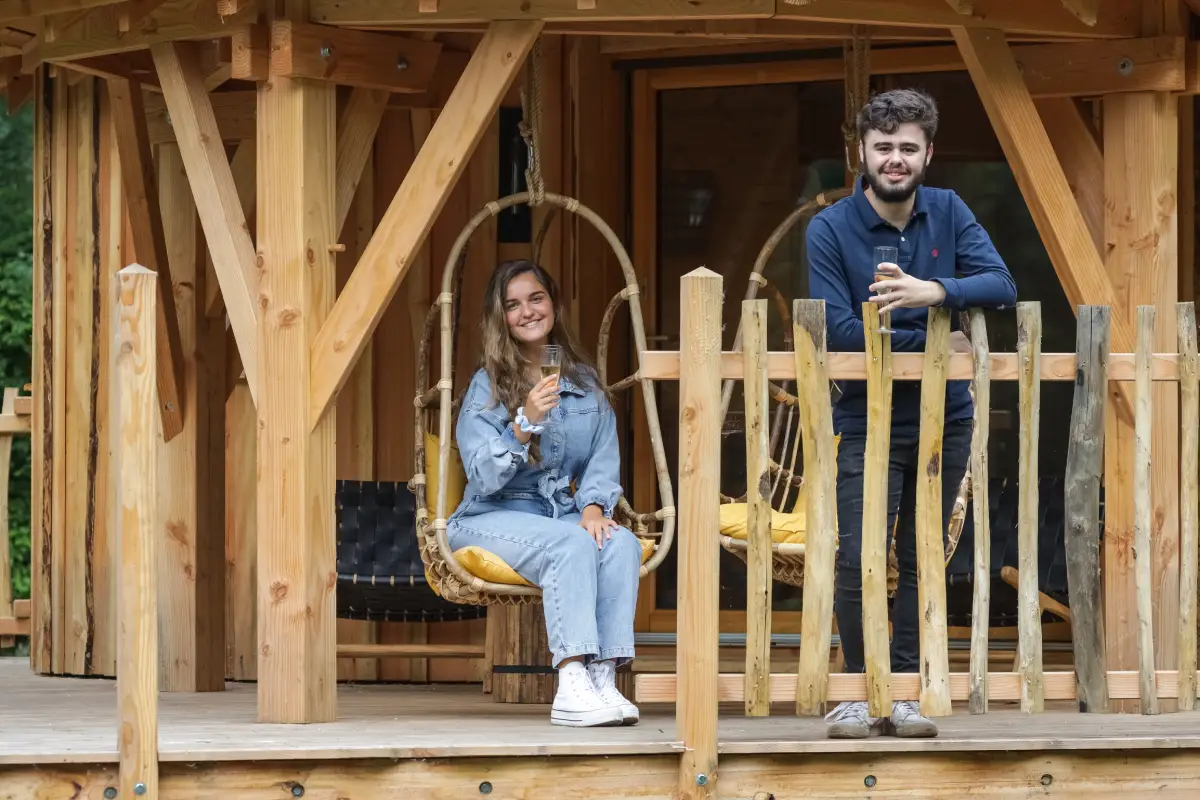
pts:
[70, 720]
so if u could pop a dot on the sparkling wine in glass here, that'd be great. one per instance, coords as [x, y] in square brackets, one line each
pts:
[551, 360]
[885, 255]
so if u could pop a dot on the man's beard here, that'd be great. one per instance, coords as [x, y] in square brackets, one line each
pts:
[890, 193]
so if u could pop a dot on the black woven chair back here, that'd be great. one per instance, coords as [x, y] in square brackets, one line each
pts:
[380, 572]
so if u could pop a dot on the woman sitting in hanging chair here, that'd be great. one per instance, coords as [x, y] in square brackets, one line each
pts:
[538, 440]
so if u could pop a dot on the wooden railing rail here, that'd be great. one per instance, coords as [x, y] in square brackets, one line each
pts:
[14, 421]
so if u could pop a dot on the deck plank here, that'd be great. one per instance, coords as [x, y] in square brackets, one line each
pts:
[73, 721]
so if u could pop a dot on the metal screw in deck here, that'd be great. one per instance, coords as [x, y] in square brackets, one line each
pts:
[110, 792]
[326, 51]
[485, 788]
[1047, 779]
[1125, 66]
[869, 782]
[297, 790]
[139, 788]
[702, 779]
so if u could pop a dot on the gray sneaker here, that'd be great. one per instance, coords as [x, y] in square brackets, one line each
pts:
[848, 721]
[906, 721]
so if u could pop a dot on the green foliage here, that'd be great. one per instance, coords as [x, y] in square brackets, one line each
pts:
[16, 314]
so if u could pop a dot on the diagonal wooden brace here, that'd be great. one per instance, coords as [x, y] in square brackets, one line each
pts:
[1043, 183]
[435, 171]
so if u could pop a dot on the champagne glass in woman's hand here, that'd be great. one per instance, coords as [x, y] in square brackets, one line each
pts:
[542, 397]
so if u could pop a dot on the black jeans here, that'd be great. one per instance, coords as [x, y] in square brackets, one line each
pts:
[902, 477]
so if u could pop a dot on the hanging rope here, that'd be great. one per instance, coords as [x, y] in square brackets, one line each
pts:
[857, 54]
[531, 120]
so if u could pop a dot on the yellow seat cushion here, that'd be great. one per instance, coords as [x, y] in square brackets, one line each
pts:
[490, 567]
[456, 483]
[786, 527]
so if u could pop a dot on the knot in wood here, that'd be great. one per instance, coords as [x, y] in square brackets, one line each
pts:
[279, 590]
[288, 317]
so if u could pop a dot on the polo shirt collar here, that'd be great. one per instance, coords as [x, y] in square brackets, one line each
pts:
[870, 217]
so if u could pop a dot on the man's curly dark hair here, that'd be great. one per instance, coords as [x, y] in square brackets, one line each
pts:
[887, 111]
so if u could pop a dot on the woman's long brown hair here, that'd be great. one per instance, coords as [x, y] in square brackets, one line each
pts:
[506, 366]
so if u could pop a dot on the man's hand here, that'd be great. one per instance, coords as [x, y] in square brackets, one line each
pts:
[904, 291]
[595, 523]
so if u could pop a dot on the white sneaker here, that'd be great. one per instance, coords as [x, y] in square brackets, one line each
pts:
[577, 704]
[604, 678]
[849, 721]
[907, 722]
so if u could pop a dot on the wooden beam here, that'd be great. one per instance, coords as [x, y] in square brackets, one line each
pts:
[250, 53]
[355, 138]
[100, 32]
[225, 230]
[1042, 182]
[244, 168]
[17, 9]
[149, 244]
[235, 112]
[1077, 146]
[663, 365]
[297, 659]
[1086, 10]
[398, 12]
[1117, 18]
[1049, 70]
[131, 66]
[353, 58]
[434, 172]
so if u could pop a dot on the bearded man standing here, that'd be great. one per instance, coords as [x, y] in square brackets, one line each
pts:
[945, 259]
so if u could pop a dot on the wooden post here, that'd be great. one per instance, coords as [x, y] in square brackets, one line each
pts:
[1029, 615]
[699, 564]
[137, 631]
[875, 514]
[1085, 466]
[981, 594]
[930, 526]
[759, 574]
[297, 661]
[6, 439]
[1142, 554]
[1189, 473]
[816, 423]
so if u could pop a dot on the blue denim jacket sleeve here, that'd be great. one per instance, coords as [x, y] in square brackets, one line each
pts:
[490, 451]
[600, 483]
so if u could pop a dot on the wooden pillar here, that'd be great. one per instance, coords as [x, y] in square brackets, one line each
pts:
[1140, 185]
[297, 667]
[191, 497]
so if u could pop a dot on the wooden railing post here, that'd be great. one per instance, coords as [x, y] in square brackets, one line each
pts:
[137, 593]
[1029, 614]
[699, 562]
[759, 573]
[876, 463]
[981, 595]
[1189, 473]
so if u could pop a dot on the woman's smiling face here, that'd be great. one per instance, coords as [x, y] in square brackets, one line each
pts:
[528, 310]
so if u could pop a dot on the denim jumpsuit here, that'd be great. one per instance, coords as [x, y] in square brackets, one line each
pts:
[526, 514]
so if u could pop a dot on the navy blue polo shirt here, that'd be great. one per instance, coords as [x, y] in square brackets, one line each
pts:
[941, 242]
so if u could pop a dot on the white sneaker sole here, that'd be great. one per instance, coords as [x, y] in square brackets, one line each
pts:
[599, 718]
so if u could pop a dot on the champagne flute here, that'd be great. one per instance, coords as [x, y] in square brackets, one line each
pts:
[551, 360]
[885, 255]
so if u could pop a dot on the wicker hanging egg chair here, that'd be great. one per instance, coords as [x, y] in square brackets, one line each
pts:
[470, 575]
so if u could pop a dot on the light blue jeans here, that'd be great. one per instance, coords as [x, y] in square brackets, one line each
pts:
[589, 594]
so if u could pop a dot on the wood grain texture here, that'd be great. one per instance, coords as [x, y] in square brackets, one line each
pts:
[877, 460]
[356, 131]
[347, 57]
[1142, 501]
[1077, 145]
[699, 487]
[982, 574]
[16, 9]
[1120, 19]
[1029, 623]
[216, 194]
[60, 192]
[149, 245]
[436, 169]
[816, 416]
[137, 633]
[1081, 490]
[375, 12]
[1189, 474]
[297, 665]
[930, 526]
[758, 510]
[6, 606]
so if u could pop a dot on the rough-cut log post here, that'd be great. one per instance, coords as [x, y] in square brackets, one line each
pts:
[930, 526]
[875, 514]
[1143, 426]
[981, 594]
[1085, 466]
[6, 607]
[137, 631]
[1029, 616]
[1189, 473]
[758, 510]
[816, 423]
[699, 487]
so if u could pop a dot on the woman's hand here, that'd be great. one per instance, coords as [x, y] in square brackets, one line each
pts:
[542, 397]
[904, 291]
[599, 526]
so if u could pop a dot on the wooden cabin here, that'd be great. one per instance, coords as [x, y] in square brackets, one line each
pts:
[245, 210]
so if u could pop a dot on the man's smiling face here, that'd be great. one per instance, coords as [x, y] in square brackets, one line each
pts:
[894, 164]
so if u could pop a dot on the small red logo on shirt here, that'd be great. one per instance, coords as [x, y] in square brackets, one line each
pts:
[935, 252]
